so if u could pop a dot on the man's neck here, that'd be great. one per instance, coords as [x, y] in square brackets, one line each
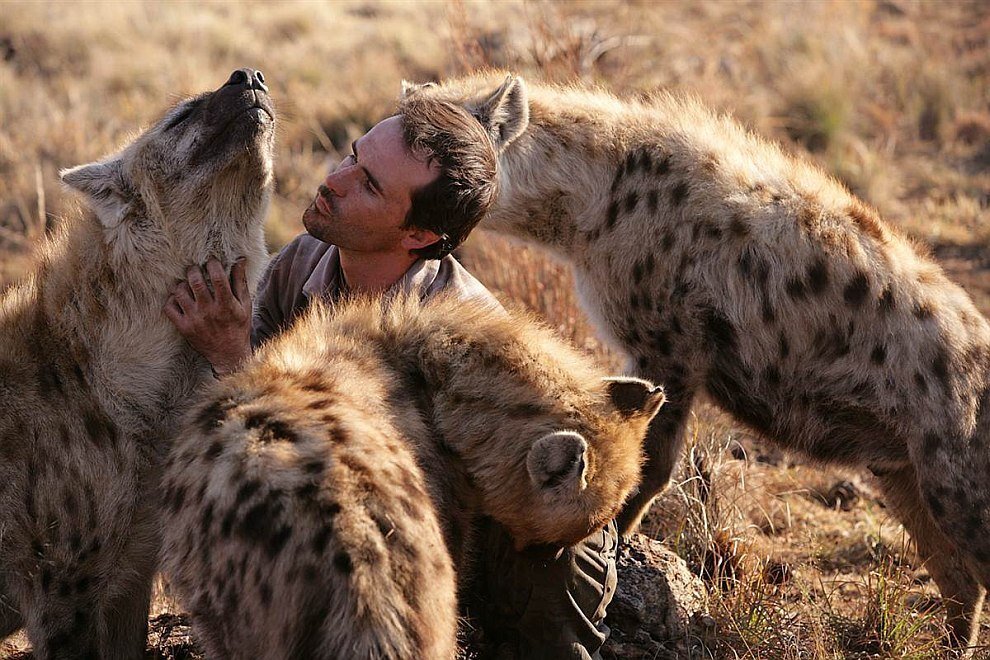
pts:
[373, 273]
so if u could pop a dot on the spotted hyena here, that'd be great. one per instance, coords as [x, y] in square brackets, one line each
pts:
[321, 501]
[92, 375]
[720, 264]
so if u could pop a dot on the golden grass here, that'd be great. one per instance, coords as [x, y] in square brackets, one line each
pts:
[890, 95]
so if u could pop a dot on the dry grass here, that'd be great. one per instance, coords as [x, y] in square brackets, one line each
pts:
[890, 95]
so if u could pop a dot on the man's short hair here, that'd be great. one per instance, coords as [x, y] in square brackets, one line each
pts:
[467, 185]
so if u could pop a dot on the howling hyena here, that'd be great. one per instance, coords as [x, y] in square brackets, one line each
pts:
[320, 502]
[720, 264]
[93, 376]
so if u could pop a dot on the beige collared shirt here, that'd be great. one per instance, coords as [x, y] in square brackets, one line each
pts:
[308, 268]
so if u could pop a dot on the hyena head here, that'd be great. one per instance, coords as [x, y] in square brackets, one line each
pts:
[194, 185]
[581, 472]
[498, 100]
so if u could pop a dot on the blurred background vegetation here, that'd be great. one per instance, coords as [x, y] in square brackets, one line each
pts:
[891, 96]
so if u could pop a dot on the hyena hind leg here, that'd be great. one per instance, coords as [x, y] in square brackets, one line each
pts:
[664, 442]
[961, 591]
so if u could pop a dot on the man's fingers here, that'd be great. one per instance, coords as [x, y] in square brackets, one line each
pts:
[221, 285]
[238, 274]
[174, 312]
[194, 276]
[184, 298]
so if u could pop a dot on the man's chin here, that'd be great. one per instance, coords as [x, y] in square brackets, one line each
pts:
[314, 222]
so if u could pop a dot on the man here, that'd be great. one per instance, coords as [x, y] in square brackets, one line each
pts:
[385, 220]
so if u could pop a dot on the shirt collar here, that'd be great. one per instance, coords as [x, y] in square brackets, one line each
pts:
[327, 278]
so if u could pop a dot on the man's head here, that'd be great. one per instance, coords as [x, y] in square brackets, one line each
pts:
[416, 182]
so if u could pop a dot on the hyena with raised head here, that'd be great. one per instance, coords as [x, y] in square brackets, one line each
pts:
[320, 502]
[93, 376]
[719, 263]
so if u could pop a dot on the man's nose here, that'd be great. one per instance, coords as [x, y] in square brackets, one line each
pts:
[340, 179]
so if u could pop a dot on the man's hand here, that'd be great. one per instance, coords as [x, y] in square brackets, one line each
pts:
[217, 324]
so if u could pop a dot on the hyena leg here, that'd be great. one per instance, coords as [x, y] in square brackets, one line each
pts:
[664, 442]
[961, 591]
[124, 629]
[10, 616]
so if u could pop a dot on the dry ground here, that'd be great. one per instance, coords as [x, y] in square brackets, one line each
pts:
[892, 96]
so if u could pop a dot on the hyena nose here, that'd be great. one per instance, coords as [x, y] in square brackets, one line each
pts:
[248, 78]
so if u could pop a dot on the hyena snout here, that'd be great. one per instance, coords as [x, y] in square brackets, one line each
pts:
[249, 78]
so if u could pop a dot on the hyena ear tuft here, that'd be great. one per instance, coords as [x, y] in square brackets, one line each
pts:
[557, 462]
[410, 88]
[105, 185]
[505, 114]
[635, 396]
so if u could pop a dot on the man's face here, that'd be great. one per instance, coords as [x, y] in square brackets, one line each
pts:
[363, 203]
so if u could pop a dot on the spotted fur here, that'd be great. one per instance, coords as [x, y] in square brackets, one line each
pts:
[321, 502]
[92, 374]
[721, 264]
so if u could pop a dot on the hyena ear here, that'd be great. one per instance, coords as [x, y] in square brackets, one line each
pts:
[505, 114]
[410, 88]
[557, 461]
[106, 186]
[635, 397]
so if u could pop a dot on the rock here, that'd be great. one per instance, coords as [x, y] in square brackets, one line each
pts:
[659, 606]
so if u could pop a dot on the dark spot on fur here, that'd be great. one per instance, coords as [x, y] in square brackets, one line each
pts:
[738, 227]
[247, 489]
[667, 241]
[265, 591]
[663, 166]
[784, 347]
[924, 310]
[342, 562]
[322, 538]
[940, 368]
[887, 300]
[314, 467]
[769, 316]
[611, 215]
[212, 416]
[935, 505]
[653, 200]
[679, 193]
[206, 520]
[213, 451]
[818, 277]
[920, 382]
[879, 354]
[632, 200]
[637, 272]
[795, 289]
[857, 290]
[771, 376]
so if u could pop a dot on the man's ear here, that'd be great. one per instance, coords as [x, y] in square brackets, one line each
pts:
[106, 187]
[505, 114]
[415, 239]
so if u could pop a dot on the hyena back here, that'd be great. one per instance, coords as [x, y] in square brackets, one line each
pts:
[92, 374]
[720, 264]
[321, 502]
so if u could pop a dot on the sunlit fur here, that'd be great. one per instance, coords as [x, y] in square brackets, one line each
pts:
[721, 264]
[321, 501]
[92, 377]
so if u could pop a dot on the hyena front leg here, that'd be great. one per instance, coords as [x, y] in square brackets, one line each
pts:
[124, 629]
[10, 616]
[961, 591]
[664, 441]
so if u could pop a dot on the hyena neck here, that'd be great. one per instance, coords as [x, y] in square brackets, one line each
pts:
[554, 188]
[108, 313]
